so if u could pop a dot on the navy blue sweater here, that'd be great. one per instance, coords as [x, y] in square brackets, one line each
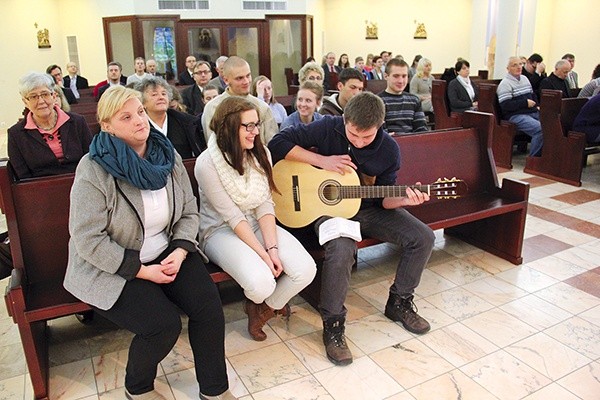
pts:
[380, 159]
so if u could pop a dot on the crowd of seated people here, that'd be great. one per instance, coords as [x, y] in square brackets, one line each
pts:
[154, 127]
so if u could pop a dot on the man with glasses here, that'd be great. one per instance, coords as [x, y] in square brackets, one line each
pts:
[237, 76]
[351, 83]
[57, 75]
[192, 96]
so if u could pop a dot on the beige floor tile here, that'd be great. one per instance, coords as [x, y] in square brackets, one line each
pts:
[436, 317]
[570, 236]
[457, 247]
[568, 298]
[401, 396]
[109, 370]
[432, 283]
[451, 386]
[12, 361]
[527, 278]
[160, 385]
[307, 388]
[536, 312]
[505, 376]
[499, 327]
[578, 334]
[592, 315]
[9, 332]
[180, 357]
[458, 344]
[552, 391]
[495, 290]
[13, 388]
[357, 306]
[267, 367]
[411, 363]
[489, 262]
[309, 349]
[375, 332]
[585, 382]
[363, 379]
[367, 274]
[304, 319]
[460, 271]
[592, 247]
[439, 256]
[586, 212]
[459, 303]
[185, 385]
[69, 351]
[547, 355]
[72, 381]
[376, 293]
[580, 256]
[541, 226]
[556, 267]
[238, 340]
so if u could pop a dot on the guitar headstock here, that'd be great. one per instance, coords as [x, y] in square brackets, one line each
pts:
[445, 188]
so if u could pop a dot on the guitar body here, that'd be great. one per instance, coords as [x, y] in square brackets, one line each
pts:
[308, 193]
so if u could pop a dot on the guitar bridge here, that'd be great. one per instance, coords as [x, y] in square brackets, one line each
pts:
[296, 192]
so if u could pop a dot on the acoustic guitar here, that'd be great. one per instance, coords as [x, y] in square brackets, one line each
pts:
[308, 193]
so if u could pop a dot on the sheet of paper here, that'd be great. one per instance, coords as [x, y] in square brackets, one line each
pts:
[339, 227]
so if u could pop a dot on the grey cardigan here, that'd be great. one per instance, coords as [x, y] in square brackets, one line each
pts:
[105, 224]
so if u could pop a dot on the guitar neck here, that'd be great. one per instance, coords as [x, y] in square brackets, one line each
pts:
[379, 192]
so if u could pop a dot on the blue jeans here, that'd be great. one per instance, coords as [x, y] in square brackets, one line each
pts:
[396, 226]
[530, 125]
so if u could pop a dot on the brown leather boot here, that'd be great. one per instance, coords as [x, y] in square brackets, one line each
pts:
[258, 315]
[335, 342]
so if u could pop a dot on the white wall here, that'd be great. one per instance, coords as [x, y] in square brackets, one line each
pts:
[448, 25]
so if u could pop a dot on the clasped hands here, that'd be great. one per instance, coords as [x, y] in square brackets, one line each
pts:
[166, 271]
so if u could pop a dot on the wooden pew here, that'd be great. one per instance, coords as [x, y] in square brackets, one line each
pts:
[488, 216]
[563, 151]
[444, 118]
[375, 85]
[39, 238]
[505, 133]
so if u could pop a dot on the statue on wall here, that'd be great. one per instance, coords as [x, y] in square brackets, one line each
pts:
[421, 32]
[43, 38]
[371, 30]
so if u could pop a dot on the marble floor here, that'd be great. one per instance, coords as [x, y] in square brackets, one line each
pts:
[499, 331]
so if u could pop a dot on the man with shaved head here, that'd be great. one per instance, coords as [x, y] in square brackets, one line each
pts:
[519, 105]
[557, 80]
[237, 76]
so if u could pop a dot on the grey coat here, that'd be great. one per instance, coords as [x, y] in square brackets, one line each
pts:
[105, 224]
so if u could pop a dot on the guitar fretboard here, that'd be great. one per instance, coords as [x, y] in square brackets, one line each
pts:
[376, 192]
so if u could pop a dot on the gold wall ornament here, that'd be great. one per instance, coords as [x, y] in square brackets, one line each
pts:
[371, 30]
[43, 38]
[420, 32]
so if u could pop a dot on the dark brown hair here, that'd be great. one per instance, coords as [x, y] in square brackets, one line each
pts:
[226, 124]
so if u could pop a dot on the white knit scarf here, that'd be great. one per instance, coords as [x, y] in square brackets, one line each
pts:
[247, 191]
[466, 82]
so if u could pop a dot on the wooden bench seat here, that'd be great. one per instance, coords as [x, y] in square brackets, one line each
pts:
[563, 151]
[505, 133]
[37, 215]
[488, 216]
[444, 118]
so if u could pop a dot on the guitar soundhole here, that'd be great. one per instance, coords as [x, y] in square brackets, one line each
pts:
[329, 192]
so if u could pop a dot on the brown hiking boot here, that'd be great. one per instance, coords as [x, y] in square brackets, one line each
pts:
[335, 342]
[405, 311]
[285, 312]
[258, 315]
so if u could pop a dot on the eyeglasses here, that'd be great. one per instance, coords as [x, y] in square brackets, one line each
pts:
[251, 126]
[35, 97]
[315, 78]
[202, 72]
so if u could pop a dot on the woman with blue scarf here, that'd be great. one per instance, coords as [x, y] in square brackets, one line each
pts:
[133, 254]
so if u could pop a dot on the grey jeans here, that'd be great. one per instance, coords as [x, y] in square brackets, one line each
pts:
[396, 226]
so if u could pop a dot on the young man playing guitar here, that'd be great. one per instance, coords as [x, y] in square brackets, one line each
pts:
[358, 141]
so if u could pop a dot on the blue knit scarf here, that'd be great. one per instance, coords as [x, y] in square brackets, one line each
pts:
[122, 162]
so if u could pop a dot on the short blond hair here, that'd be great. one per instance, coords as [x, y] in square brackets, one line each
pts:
[113, 100]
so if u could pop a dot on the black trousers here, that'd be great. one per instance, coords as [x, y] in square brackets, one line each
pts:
[152, 312]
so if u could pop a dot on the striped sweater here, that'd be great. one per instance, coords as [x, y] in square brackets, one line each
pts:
[403, 113]
[513, 94]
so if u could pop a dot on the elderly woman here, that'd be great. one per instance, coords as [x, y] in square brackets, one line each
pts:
[311, 71]
[183, 130]
[421, 83]
[133, 254]
[48, 141]
[237, 225]
[263, 89]
[462, 94]
[308, 100]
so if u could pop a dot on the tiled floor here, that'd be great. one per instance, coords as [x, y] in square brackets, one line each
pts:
[499, 331]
